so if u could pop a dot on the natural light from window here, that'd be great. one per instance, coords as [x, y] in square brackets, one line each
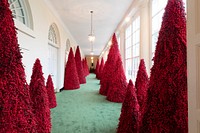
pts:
[132, 49]
[158, 7]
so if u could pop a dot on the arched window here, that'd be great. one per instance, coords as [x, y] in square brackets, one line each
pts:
[21, 11]
[53, 35]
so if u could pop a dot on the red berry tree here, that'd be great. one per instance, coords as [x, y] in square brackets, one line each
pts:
[108, 71]
[130, 114]
[101, 68]
[79, 66]
[86, 67]
[15, 105]
[97, 69]
[117, 86]
[167, 105]
[141, 85]
[71, 79]
[39, 97]
[84, 70]
[51, 93]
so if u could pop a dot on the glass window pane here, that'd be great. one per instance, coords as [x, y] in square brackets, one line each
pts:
[128, 42]
[137, 34]
[135, 68]
[134, 38]
[137, 50]
[19, 11]
[128, 53]
[128, 69]
[158, 8]
[52, 35]
[128, 31]
[154, 41]
[118, 40]
[134, 51]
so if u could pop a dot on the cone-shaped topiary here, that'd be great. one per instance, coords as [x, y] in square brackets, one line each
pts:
[108, 71]
[101, 68]
[130, 114]
[141, 85]
[83, 64]
[117, 86]
[40, 101]
[15, 105]
[167, 105]
[84, 70]
[71, 80]
[51, 93]
[79, 66]
[86, 67]
[97, 69]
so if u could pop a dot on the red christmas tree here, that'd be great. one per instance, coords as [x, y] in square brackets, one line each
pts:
[86, 67]
[97, 69]
[117, 86]
[15, 105]
[101, 68]
[83, 64]
[71, 80]
[108, 71]
[39, 97]
[130, 114]
[167, 105]
[79, 66]
[141, 85]
[51, 93]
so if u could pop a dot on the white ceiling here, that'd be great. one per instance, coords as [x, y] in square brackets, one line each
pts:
[75, 14]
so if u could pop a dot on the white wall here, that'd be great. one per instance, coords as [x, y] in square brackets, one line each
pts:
[193, 64]
[34, 43]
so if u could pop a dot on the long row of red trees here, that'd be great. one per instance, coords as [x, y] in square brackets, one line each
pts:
[158, 104]
[76, 71]
[23, 108]
[26, 108]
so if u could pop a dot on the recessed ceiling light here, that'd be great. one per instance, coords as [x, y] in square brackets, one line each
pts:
[109, 43]
[127, 19]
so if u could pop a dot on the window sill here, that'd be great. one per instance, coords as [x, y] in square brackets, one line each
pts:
[23, 28]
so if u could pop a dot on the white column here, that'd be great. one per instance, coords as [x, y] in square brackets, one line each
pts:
[144, 35]
[193, 64]
[122, 45]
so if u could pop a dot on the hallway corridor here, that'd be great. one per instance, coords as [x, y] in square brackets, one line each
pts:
[84, 110]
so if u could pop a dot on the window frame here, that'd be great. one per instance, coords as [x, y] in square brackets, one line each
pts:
[21, 12]
[132, 58]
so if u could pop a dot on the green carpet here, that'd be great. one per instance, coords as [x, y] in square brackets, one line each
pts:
[84, 110]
